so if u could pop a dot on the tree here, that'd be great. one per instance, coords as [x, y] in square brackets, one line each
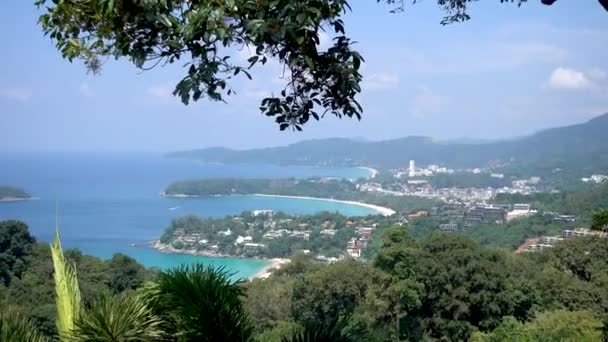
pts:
[206, 34]
[600, 220]
[604, 3]
[15, 246]
[125, 273]
[329, 292]
[199, 303]
[547, 326]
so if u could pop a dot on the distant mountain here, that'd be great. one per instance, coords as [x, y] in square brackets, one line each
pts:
[579, 146]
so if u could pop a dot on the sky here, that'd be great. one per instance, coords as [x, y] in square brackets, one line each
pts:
[507, 72]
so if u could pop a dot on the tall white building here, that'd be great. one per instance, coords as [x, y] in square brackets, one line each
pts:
[412, 169]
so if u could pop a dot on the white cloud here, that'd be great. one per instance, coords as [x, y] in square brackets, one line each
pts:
[163, 93]
[15, 93]
[380, 81]
[568, 79]
[85, 90]
[525, 53]
[426, 102]
[257, 94]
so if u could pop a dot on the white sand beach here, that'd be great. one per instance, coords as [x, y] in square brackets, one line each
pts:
[372, 172]
[381, 210]
[274, 264]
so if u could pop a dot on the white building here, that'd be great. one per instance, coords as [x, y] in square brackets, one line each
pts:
[412, 169]
[265, 212]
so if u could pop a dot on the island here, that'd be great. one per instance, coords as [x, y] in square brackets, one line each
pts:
[12, 193]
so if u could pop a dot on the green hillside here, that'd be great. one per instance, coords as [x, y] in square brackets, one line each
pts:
[582, 147]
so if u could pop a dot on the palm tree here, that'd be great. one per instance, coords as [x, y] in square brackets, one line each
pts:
[198, 303]
[124, 317]
[16, 328]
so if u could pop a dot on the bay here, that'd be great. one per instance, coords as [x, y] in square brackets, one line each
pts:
[108, 201]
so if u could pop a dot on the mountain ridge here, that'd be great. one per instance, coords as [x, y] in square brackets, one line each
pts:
[554, 147]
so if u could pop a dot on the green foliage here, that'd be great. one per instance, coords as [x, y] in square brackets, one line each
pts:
[280, 331]
[66, 289]
[197, 303]
[32, 292]
[268, 304]
[14, 327]
[330, 292]
[12, 192]
[512, 234]
[125, 273]
[291, 186]
[547, 326]
[206, 34]
[579, 203]
[600, 220]
[124, 317]
[15, 247]
[334, 329]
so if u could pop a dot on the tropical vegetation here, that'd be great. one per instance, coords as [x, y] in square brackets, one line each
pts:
[442, 287]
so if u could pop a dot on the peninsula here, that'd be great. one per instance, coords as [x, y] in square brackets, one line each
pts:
[267, 234]
[323, 189]
[12, 193]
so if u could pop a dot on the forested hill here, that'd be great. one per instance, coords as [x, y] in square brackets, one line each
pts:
[11, 193]
[577, 145]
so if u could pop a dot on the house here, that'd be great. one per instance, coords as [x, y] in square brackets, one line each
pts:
[305, 235]
[242, 239]
[226, 232]
[328, 232]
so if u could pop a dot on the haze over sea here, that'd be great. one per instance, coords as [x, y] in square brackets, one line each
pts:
[109, 201]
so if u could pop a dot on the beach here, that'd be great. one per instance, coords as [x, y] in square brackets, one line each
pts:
[263, 273]
[372, 172]
[274, 264]
[381, 210]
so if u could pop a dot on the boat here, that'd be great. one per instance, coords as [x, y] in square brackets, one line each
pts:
[173, 208]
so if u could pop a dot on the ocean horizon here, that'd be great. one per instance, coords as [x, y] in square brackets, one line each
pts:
[108, 202]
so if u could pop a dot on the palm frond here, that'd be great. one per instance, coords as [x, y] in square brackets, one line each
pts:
[66, 289]
[334, 330]
[15, 327]
[124, 317]
[198, 303]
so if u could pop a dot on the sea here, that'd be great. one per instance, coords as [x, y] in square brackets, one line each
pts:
[107, 203]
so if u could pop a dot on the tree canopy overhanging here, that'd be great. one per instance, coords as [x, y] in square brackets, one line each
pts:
[206, 35]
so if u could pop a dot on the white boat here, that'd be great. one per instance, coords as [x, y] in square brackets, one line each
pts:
[173, 208]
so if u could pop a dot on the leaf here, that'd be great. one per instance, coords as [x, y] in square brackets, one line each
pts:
[66, 289]
[165, 20]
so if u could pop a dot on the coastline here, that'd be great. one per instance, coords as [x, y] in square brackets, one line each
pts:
[266, 271]
[372, 172]
[381, 210]
[15, 199]
[263, 273]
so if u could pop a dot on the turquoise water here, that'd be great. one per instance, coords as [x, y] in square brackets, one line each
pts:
[108, 202]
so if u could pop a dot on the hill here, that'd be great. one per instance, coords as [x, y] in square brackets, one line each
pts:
[583, 147]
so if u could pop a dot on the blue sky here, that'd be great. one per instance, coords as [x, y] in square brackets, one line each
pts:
[508, 72]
